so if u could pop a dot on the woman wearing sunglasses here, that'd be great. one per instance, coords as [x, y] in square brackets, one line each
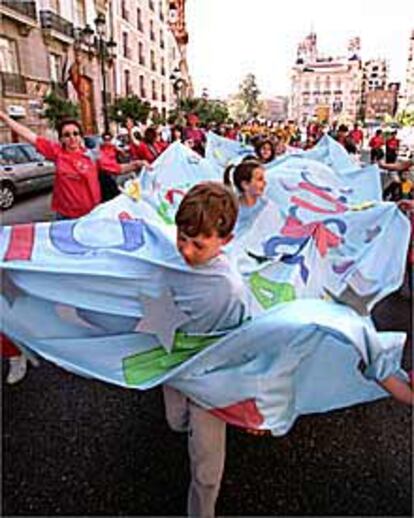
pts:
[76, 190]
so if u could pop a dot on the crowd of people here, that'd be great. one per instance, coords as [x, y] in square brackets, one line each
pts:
[203, 228]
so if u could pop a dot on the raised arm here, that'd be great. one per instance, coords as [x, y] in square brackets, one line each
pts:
[21, 130]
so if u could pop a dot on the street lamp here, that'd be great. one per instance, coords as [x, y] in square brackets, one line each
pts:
[104, 49]
[178, 84]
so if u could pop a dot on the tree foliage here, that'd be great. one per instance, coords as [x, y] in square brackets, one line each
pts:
[58, 108]
[249, 95]
[207, 110]
[130, 106]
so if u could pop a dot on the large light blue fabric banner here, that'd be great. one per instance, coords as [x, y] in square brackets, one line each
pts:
[78, 291]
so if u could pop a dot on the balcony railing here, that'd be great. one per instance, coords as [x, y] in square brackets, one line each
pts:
[13, 83]
[51, 20]
[26, 8]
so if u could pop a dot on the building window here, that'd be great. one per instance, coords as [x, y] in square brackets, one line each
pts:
[141, 57]
[163, 73]
[162, 44]
[163, 96]
[80, 13]
[161, 10]
[152, 33]
[125, 48]
[140, 26]
[127, 78]
[142, 91]
[153, 64]
[55, 67]
[151, 5]
[8, 56]
[124, 10]
[154, 90]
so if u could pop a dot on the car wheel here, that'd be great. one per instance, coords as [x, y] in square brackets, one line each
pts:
[7, 196]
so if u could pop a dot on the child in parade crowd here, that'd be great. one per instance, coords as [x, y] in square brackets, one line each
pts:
[265, 151]
[205, 221]
[248, 178]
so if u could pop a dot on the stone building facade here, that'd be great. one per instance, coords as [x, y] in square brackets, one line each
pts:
[42, 46]
[325, 87]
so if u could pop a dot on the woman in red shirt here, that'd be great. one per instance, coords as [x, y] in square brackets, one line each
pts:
[76, 190]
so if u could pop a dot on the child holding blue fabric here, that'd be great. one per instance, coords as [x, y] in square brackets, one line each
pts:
[205, 221]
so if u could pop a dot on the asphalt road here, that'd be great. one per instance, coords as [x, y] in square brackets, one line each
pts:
[73, 446]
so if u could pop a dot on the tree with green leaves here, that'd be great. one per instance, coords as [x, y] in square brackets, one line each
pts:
[58, 108]
[129, 107]
[207, 110]
[249, 95]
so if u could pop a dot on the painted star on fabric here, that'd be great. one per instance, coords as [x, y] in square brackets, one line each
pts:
[162, 317]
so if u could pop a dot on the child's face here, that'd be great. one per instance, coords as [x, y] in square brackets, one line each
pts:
[266, 151]
[198, 250]
[257, 184]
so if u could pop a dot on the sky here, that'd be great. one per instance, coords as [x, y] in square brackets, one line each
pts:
[231, 38]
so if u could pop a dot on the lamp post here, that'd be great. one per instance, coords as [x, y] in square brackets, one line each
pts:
[178, 84]
[104, 49]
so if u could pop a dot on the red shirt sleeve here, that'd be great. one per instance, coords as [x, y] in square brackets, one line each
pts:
[48, 148]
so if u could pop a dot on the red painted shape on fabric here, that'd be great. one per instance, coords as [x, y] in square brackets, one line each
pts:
[169, 195]
[21, 242]
[339, 207]
[8, 349]
[323, 237]
[244, 414]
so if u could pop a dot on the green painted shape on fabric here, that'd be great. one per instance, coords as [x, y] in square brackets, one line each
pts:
[269, 293]
[163, 212]
[142, 367]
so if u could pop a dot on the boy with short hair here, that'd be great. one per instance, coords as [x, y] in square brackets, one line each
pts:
[205, 221]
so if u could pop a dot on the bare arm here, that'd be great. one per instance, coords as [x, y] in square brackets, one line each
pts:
[21, 130]
[398, 388]
[403, 165]
[135, 164]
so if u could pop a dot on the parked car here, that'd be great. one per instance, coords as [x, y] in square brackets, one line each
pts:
[22, 170]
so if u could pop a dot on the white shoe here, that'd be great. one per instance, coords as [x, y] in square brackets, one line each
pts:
[17, 370]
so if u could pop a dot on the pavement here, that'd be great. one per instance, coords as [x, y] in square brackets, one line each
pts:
[75, 446]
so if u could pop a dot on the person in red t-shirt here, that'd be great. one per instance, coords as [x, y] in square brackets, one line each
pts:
[149, 149]
[392, 145]
[108, 166]
[76, 188]
[357, 136]
[376, 144]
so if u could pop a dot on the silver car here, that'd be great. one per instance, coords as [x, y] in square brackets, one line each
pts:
[22, 170]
